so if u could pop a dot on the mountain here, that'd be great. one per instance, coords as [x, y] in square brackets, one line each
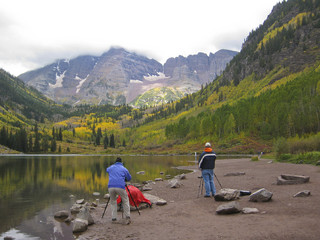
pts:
[21, 104]
[288, 39]
[268, 93]
[267, 98]
[119, 77]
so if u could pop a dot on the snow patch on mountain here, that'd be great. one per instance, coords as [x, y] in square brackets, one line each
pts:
[155, 77]
[135, 81]
[59, 81]
[81, 81]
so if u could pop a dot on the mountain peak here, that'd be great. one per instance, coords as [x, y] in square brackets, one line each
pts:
[119, 76]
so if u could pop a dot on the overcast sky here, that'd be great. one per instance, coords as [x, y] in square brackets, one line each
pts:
[34, 33]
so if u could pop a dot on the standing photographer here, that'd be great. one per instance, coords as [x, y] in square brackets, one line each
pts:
[206, 164]
[118, 175]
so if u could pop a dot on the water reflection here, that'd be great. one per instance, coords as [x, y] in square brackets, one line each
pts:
[32, 188]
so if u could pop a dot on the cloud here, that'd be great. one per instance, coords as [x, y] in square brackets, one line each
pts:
[36, 32]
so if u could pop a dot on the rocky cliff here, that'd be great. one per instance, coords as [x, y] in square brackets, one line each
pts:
[119, 77]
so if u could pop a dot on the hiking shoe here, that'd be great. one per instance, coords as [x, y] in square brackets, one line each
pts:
[127, 221]
[207, 196]
[114, 220]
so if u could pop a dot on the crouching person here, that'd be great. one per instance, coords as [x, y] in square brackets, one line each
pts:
[118, 175]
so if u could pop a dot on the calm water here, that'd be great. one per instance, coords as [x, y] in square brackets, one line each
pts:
[33, 188]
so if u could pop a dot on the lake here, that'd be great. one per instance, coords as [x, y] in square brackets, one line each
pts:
[33, 188]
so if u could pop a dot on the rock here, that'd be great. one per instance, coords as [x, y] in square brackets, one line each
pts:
[318, 163]
[80, 201]
[84, 214]
[305, 193]
[261, 195]
[286, 179]
[270, 161]
[96, 194]
[158, 179]
[155, 200]
[148, 182]
[174, 183]
[71, 196]
[229, 208]
[8, 238]
[79, 225]
[69, 219]
[168, 176]
[75, 208]
[141, 172]
[249, 210]
[138, 185]
[106, 196]
[62, 214]
[161, 202]
[161, 173]
[146, 188]
[227, 194]
[235, 174]
[181, 176]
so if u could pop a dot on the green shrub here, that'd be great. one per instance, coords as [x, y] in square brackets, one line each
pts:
[285, 157]
[255, 158]
[302, 158]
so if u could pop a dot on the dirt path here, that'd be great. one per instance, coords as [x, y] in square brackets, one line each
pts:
[188, 217]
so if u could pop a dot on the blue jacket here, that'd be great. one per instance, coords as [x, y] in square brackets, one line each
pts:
[207, 159]
[118, 175]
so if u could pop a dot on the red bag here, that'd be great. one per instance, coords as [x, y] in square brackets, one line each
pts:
[136, 195]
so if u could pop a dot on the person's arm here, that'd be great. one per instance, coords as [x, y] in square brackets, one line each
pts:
[127, 176]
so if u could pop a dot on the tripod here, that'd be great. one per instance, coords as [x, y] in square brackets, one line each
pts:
[201, 184]
[133, 199]
[129, 203]
[106, 207]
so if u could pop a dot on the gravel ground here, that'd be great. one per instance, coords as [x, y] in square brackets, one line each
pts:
[187, 216]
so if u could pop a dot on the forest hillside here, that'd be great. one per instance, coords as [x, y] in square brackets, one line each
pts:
[266, 100]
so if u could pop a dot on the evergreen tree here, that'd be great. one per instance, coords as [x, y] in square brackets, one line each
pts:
[98, 138]
[105, 142]
[53, 145]
[30, 144]
[60, 134]
[112, 143]
[45, 144]
[37, 139]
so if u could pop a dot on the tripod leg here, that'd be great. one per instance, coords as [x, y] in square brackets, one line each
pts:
[105, 207]
[201, 186]
[133, 200]
[218, 180]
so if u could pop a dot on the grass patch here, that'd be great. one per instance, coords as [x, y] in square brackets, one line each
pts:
[302, 158]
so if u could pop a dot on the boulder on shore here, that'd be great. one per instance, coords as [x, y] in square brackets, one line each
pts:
[229, 208]
[235, 174]
[80, 225]
[155, 200]
[287, 179]
[305, 193]
[62, 214]
[262, 195]
[227, 194]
